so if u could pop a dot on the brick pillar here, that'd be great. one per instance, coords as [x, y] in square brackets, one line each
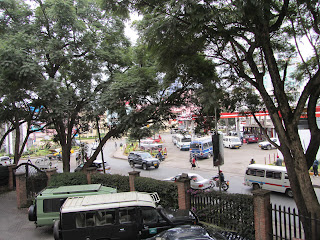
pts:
[49, 173]
[11, 176]
[21, 190]
[262, 214]
[89, 171]
[132, 176]
[183, 184]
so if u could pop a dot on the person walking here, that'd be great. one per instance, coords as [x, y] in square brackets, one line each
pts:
[315, 168]
[193, 163]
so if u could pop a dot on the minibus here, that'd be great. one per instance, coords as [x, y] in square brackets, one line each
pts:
[231, 142]
[126, 216]
[273, 178]
[183, 141]
[201, 147]
[46, 206]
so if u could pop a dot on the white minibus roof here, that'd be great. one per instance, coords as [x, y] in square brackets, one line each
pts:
[107, 201]
[267, 167]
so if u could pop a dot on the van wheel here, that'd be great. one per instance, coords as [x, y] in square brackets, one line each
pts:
[289, 193]
[209, 155]
[255, 186]
[32, 213]
[144, 166]
[56, 230]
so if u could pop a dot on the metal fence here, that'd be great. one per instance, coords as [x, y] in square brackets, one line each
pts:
[287, 223]
[228, 211]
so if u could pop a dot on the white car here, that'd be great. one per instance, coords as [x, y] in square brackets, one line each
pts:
[268, 145]
[196, 181]
[5, 160]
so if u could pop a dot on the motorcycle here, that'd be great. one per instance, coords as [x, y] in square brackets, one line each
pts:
[161, 157]
[216, 182]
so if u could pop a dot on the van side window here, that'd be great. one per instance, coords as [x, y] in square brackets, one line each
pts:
[52, 205]
[80, 220]
[126, 215]
[274, 175]
[260, 173]
[90, 219]
[104, 217]
[150, 216]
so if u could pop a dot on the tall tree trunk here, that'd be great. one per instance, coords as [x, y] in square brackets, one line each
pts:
[17, 143]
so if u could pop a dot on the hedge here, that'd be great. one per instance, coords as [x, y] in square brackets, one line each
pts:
[167, 191]
[67, 179]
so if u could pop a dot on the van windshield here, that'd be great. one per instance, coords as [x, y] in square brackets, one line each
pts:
[195, 145]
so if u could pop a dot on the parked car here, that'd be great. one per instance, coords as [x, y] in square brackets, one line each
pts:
[268, 145]
[144, 159]
[146, 144]
[187, 232]
[43, 163]
[250, 138]
[5, 160]
[126, 216]
[46, 205]
[98, 164]
[196, 181]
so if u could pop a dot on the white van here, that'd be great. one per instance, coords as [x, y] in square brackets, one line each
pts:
[231, 142]
[273, 178]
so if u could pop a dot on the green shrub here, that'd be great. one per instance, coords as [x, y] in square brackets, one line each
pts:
[121, 183]
[67, 179]
[167, 191]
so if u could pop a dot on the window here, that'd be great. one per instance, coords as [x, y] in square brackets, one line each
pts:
[104, 217]
[150, 216]
[90, 219]
[80, 220]
[274, 175]
[126, 215]
[52, 205]
[260, 173]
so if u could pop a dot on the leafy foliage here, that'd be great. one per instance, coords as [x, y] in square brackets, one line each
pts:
[68, 179]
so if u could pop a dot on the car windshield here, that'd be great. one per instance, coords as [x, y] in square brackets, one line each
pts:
[178, 214]
[145, 155]
[196, 178]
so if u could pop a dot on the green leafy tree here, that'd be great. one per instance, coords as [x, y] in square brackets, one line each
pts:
[79, 48]
[20, 75]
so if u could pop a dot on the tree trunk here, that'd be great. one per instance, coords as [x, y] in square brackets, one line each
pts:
[300, 182]
[17, 143]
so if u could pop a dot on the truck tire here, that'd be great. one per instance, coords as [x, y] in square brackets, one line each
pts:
[32, 213]
[289, 193]
[56, 230]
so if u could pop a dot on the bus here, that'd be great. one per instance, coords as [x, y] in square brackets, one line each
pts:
[268, 177]
[201, 147]
[183, 141]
